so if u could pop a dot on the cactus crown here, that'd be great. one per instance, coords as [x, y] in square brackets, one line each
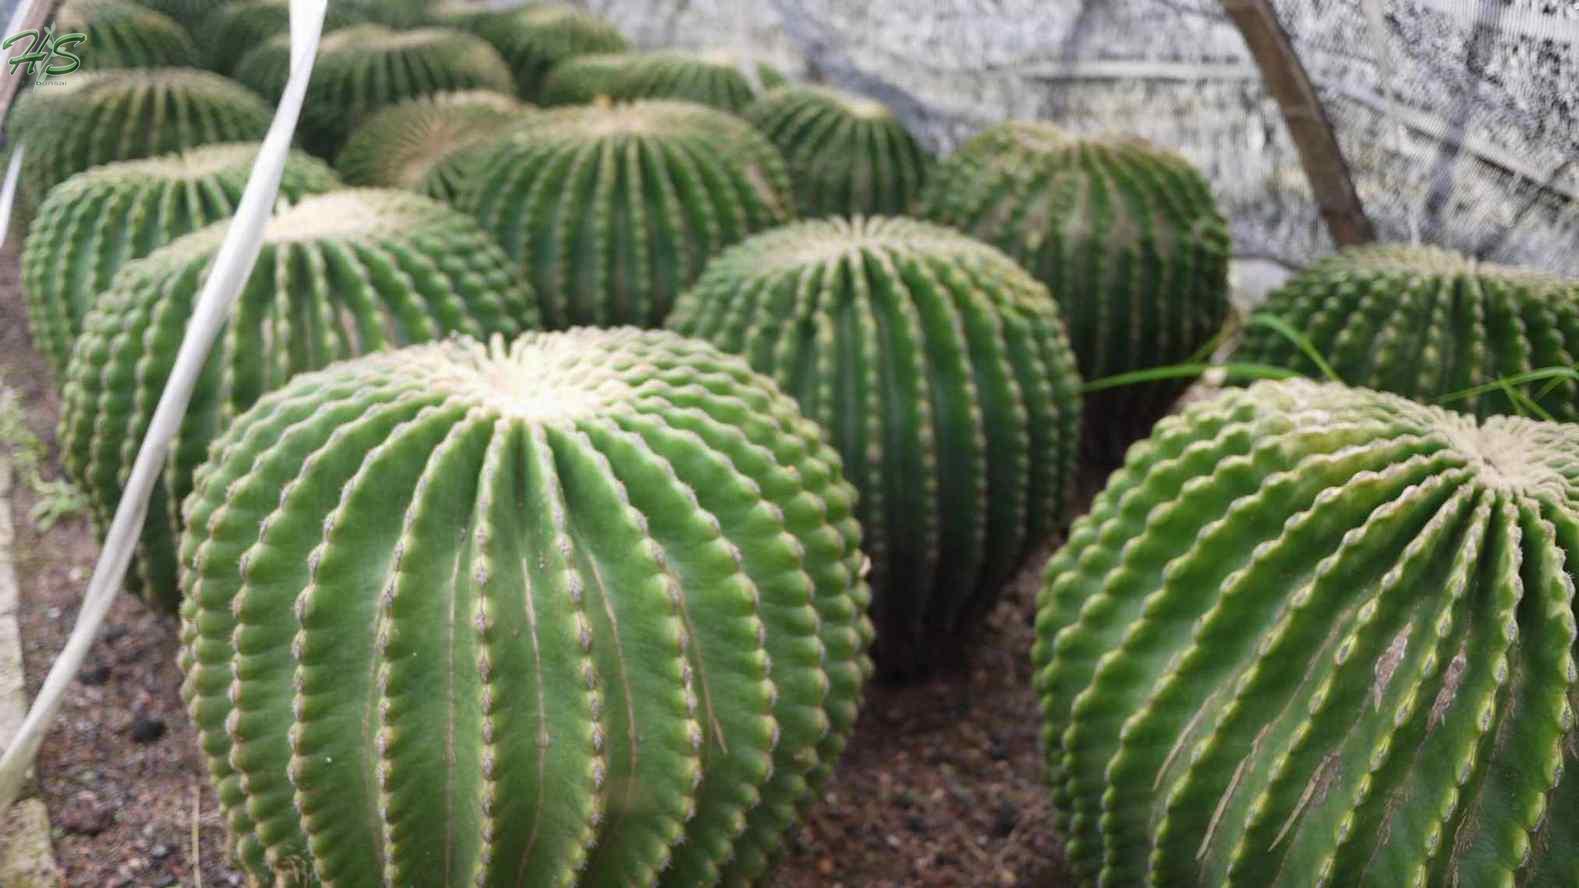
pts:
[1426, 323]
[430, 145]
[941, 370]
[97, 221]
[536, 38]
[363, 68]
[617, 540]
[124, 35]
[340, 274]
[1125, 235]
[97, 117]
[1319, 630]
[847, 155]
[615, 209]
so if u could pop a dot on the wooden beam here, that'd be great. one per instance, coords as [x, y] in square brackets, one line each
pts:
[1308, 125]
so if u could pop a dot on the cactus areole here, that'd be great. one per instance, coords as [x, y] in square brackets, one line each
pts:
[1314, 635]
[1427, 323]
[584, 609]
[941, 371]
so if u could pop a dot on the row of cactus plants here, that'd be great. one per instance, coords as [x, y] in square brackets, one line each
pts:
[1247, 579]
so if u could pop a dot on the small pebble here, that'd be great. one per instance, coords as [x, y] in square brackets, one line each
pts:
[147, 730]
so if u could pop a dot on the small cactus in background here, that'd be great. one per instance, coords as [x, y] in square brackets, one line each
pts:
[1313, 635]
[231, 30]
[340, 274]
[615, 210]
[124, 35]
[710, 78]
[582, 610]
[363, 68]
[97, 221]
[1125, 235]
[431, 145]
[1425, 323]
[92, 118]
[583, 79]
[941, 371]
[847, 155]
[535, 38]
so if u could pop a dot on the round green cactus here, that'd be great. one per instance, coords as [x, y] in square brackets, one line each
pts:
[614, 211]
[847, 155]
[97, 221]
[581, 610]
[1125, 235]
[535, 38]
[942, 372]
[584, 79]
[431, 145]
[1427, 323]
[341, 274]
[92, 118]
[184, 10]
[1314, 635]
[230, 31]
[124, 35]
[363, 68]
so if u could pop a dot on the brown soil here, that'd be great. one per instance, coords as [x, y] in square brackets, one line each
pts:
[941, 784]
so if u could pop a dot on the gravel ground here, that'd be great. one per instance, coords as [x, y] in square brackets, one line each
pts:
[941, 784]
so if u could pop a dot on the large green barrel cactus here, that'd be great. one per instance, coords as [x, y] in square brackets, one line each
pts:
[231, 30]
[710, 78]
[615, 210]
[537, 37]
[1314, 635]
[941, 370]
[97, 221]
[1425, 323]
[341, 274]
[363, 68]
[121, 34]
[586, 78]
[847, 155]
[585, 609]
[432, 144]
[1125, 235]
[91, 118]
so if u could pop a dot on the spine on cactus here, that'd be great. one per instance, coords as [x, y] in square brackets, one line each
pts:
[92, 118]
[941, 370]
[122, 34]
[582, 610]
[99, 220]
[615, 210]
[1426, 323]
[1125, 235]
[432, 145]
[1317, 635]
[536, 38]
[363, 68]
[847, 155]
[340, 274]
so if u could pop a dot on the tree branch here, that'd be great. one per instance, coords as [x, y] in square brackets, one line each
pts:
[1306, 119]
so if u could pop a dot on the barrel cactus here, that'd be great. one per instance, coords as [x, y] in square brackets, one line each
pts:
[363, 68]
[231, 30]
[615, 210]
[585, 79]
[847, 155]
[431, 145]
[91, 118]
[1314, 635]
[1125, 235]
[711, 78]
[1426, 323]
[596, 594]
[340, 274]
[941, 370]
[536, 38]
[97, 221]
[122, 34]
